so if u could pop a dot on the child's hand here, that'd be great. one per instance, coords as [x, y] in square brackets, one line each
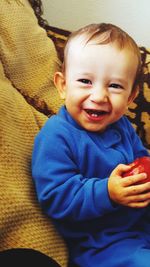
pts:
[125, 191]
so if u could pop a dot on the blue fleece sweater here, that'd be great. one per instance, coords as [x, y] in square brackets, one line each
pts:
[70, 168]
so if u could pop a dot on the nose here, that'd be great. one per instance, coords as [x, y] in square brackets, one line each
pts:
[99, 94]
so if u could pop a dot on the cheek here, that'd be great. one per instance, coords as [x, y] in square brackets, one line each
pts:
[119, 104]
[69, 93]
[72, 99]
[76, 95]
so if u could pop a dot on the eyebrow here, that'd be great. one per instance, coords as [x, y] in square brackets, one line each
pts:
[84, 73]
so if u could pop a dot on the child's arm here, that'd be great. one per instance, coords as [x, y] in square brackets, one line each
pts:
[124, 191]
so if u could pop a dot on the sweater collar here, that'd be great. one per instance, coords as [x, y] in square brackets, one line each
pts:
[109, 138]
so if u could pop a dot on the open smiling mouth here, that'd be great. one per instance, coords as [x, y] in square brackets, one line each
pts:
[96, 113]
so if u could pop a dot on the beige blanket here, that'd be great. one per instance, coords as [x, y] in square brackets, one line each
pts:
[28, 61]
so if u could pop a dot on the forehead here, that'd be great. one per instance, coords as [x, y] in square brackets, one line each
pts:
[81, 53]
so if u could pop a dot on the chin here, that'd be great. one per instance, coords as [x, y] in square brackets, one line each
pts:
[95, 129]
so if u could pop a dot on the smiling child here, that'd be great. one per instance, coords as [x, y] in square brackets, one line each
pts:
[80, 154]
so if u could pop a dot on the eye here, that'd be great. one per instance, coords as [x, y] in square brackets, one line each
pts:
[116, 86]
[85, 81]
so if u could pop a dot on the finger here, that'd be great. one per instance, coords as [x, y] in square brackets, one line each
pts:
[139, 189]
[138, 205]
[120, 169]
[131, 180]
[139, 198]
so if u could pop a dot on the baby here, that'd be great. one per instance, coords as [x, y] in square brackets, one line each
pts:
[81, 153]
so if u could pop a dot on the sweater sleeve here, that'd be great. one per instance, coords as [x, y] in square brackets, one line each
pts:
[62, 190]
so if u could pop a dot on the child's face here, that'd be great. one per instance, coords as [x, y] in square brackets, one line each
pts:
[97, 84]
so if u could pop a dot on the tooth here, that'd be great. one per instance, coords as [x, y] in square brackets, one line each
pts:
[94, 115]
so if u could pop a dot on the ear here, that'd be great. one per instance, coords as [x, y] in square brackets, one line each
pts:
[60, 83]
[133, 95]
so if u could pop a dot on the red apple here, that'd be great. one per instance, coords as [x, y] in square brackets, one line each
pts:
[138, 166]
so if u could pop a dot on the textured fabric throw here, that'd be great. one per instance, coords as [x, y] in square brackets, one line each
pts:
[28, 62]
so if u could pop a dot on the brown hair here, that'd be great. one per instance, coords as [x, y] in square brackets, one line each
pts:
[104, 33]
